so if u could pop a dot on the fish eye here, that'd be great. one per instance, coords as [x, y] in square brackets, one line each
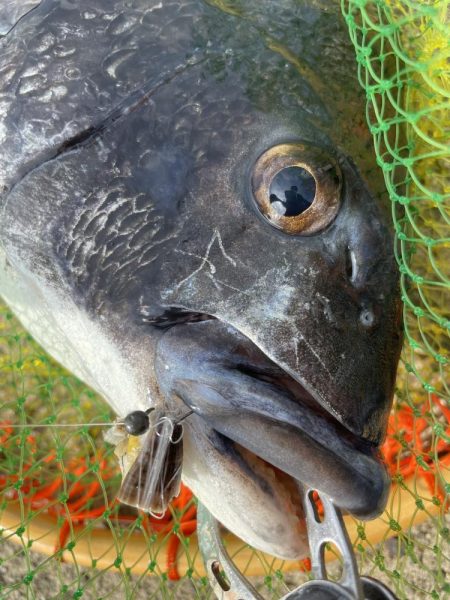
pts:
[297, 188]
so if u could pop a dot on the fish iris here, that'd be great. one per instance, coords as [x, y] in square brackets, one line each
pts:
[297, 187]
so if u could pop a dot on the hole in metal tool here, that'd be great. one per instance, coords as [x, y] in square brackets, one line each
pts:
[335, 569]
[316, 505]
[220, 576]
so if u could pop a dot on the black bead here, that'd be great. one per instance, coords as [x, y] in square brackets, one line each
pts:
[137, 422]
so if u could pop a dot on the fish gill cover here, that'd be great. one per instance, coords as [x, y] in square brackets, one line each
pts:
[57, 485]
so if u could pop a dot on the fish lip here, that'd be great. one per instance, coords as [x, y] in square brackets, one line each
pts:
[176, 316]
[359, 442]
[364, 475]
[344, 456]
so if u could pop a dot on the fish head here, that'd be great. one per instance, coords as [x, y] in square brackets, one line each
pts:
[156, 162]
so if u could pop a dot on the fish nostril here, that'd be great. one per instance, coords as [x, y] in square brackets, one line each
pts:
[351, 267]
[367, 318]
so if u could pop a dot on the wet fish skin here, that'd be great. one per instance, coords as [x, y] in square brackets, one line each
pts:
[11, 11]
[128, 137]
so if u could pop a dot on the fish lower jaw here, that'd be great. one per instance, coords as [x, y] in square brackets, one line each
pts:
[248, 496]
[295, 441]
[285, 484]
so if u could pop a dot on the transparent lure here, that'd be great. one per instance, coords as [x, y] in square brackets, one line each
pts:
[154, 477]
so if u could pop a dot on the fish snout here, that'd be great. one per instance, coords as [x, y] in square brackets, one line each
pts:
[354, 325]
[373, 284]
[254, 404]
[357, 335]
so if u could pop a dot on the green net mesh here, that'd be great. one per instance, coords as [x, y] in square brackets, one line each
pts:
[62, 535]
[403, 52]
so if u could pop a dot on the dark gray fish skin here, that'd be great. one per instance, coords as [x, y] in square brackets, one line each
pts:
[128, 137]
[11, 11]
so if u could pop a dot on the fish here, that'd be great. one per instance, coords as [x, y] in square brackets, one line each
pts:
[192, 218]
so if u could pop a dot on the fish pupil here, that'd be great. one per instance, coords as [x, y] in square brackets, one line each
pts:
[137, 422]
[292, 191]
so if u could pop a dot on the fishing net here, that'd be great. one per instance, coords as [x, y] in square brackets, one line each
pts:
[403, 53]
[63, 535]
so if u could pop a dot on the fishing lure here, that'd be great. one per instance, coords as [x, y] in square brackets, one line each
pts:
[149, 446]
[154, 477]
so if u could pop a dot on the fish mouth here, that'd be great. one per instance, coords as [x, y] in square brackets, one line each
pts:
[266, 421]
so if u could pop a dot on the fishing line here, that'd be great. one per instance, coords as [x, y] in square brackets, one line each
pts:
[42, 425]
[4, 425]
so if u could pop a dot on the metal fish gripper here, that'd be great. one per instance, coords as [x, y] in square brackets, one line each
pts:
[325, 528]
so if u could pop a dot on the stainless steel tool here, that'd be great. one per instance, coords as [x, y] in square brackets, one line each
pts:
[229, 584]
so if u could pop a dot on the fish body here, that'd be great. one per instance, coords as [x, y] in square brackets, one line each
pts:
[146, 243]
